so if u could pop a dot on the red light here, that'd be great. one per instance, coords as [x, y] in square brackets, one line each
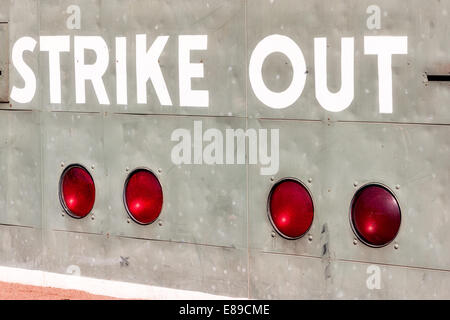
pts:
[375, 215]
[143, 196]
[77, 191]
[291, 208]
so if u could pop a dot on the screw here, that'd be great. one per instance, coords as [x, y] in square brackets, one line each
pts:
[355, 242]
[396, 246]
[273, 234]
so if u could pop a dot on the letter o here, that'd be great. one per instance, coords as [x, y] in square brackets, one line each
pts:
[286, 46]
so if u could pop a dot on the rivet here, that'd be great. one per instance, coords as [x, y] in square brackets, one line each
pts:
[127, 169]
[160, 223]
[310, 237]
[128, 220]
[355, 242]
[159, 170]
[93, 167]
[310, 180]
[92, 218]
[62, 164]
[273, 234]
[396, 246]
[355, 183]
[272, 179]
[397, 186]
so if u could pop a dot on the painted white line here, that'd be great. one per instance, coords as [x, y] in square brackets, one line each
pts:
[117, 289]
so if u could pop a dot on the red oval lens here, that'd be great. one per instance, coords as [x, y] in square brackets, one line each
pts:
[375, 215]
[291, 208]
[143, 196]
[77, 191]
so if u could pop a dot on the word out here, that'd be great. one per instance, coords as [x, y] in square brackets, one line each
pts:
[381, 46]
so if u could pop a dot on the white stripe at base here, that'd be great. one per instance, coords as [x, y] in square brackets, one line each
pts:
[117, 289]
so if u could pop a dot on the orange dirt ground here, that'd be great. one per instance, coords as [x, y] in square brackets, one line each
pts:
[13, 291]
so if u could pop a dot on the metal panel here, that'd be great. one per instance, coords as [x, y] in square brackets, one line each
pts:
[395, 282]
[401, 157]
[299, 277]
[336, 156]
[4, 63]
[71, 138]
[203, 204]
[20, 165]
[413, 100]
[23, 21]
[215, 270]
[302, 155]
[276, 276]
[21, 247]
[4, 12]
[221, 21]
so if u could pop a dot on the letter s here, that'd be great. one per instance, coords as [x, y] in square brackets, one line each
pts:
[25, 94]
